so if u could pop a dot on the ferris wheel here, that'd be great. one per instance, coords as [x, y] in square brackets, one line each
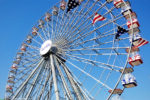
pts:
[78, 50]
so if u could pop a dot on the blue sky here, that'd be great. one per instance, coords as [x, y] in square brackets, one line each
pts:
[18, 16]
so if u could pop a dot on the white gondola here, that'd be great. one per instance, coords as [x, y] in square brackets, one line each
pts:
[55, 10]
[11, 77]
[129, 81]
[18, 56]
[134, 30]
[34, 31]
[41, 23]
[63, 5]
[126, 9]
[29, 39]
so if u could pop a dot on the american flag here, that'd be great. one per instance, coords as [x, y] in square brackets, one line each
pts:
[72, 4]
[98, 17]
[120, 31]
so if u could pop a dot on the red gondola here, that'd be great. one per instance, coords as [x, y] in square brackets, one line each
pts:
[118, 3]
[132, 22]
[9, 88]
[135, 60]
[48, 17]
[14, 66]
[34, 31]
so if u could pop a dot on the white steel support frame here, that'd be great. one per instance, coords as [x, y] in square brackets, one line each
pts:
[54, 77]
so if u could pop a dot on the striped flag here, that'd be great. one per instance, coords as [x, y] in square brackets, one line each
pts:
[140, 42]
[98, 17]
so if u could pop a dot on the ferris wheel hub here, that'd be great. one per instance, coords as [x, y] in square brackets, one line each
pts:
[45, 48]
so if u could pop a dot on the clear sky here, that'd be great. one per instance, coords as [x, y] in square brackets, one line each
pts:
[18, 16]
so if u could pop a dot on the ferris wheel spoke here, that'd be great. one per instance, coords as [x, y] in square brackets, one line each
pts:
[40, 36]
[106, 86]
[21, 71]
[94, 64]
[33, 47]
[93, 61]
[37, 42]
[105, 79]
[97, 53]
[44, 31]
[100, 77]
[89, 33]
[65, 21]
[85, 14]
[89, 49]
[94, 39]
[23, 84]
[61, 25]
[24, 74]
[44, 86]
[62, 19]
[105, 24]
[107, 42]
[57, 21]
[83, 91]
[33, 83]
[83, 22]
[41, 80]
[26, 60]
[75, 16]
[30, 56]
[31, 53]
[23, 65]
[97, 41]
